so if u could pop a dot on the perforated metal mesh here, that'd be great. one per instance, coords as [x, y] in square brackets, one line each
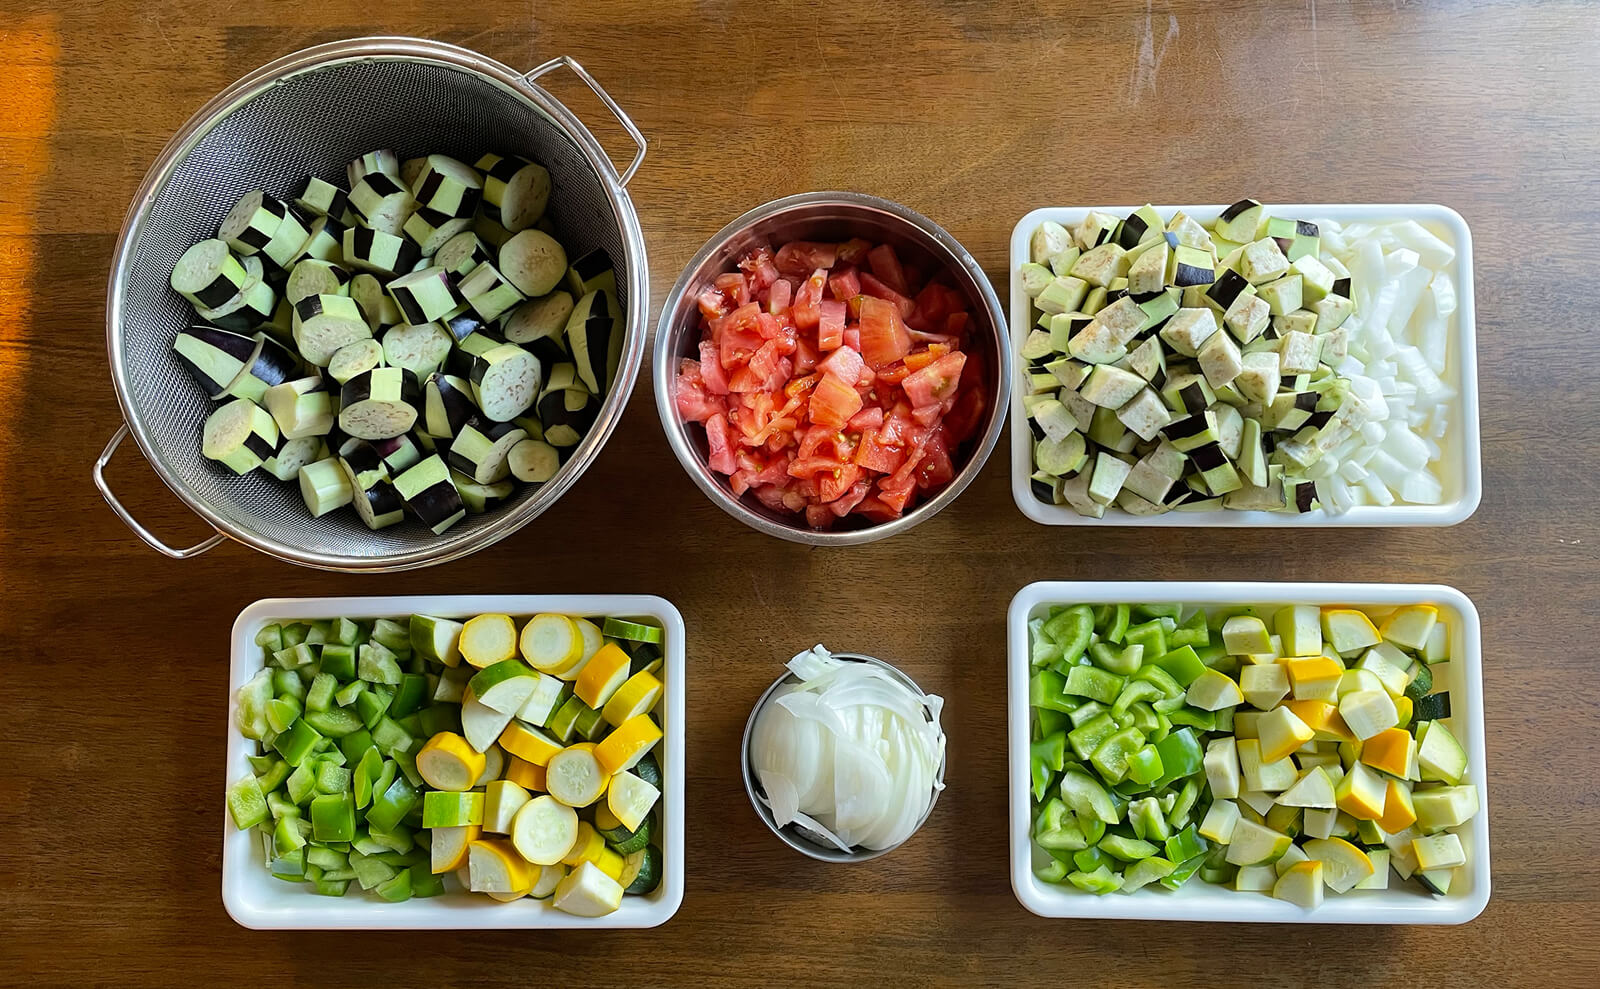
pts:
[314, 122]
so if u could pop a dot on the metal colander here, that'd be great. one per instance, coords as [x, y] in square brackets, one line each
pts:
[310, 113]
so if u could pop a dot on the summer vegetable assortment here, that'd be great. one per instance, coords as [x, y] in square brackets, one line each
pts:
[833, 379]
[848, 752]
[410, 344]
[1287, 751]
[1250, 362]
[516, 759]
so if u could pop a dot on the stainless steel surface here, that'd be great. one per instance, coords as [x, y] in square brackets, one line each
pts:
[826, 216]
[311, 112]
[626, 121]
[127, 517]
[804, 840]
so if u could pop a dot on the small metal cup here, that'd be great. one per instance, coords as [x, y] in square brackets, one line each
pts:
[803, 840]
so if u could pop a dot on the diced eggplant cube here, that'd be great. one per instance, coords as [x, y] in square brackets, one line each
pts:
[1299, 321]
[1251, 459]
[1167, 459]
[1068, 371]
[1045, 488]
[1299, 353]
[1307, 241]
[1099, 266]
[1230, 430]
[1123, 319]
[1081, 408]
[1238, 222]
[1106, 429]
[1062, 261]
[1316, 281]
[1095, 230]
[1148, 482]
[1259, 376]
[1109, 473]
[1040, 381]
[1220, 360]
[1258, 498]
[1144, 414]
[1148, 273]
[1063, 294]
[1189, 231]
[1049, 239]
[1262, 261]
[1075, 490]
[1110, 387]
[1332, 311]
[1192, 266]
[1135, 505]
[1192, 431]
[1095, 344]
[1054, 419]
[1335, 345]
[1094, 301]
[1215, 469]
[1300, 495]
[1148, 360]
[1225, 291]
[1034, 278]
[1189, 329]
[1282, 296]
[1247, 317]
[1062, 456]
[1160, 307]
[1187, 393]
[1036, 346]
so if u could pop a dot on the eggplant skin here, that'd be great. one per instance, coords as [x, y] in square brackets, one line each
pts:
[1237, 208]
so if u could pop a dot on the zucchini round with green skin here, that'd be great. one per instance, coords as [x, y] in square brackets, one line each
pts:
[271, 364]
[477, 497]
[515, 191]
[449, 186]
[320, 198]
[292, 455]
[379, 403]
[534, 461]
[383, 160]
[643, 873]
[481, 448]
[355, 358]
[377, 251]
[252, 222]
[505, 382]
[240, 435]
[594, 335]
[460, 254]
[208, 274]
[213, 356]
[447, 405]
[314, 276]
[426, 489]
[302, 407]
[325, 323]
[325, 486]
[488, 292]
[649, 770]
[533, 261]
[420, 349]
[618, 628]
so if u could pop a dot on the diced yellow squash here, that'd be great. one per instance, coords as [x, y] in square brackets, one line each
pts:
[1343, 864]
[1390, 751]
[1300, 628]
[1410, 626]
[1361, 793]
[1264, 686]
[1314, 678]
[1445, 806]
[1281, 733]
[1399, 809]
[1301, 885]
[1439, 851]
[1368, 712]
[1323, 719]
[1348, 630]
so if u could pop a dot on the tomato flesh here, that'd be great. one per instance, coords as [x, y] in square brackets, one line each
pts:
[832, 380]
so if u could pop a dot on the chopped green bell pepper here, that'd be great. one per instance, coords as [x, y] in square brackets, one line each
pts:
[1183, 664]
[1095, 684]
[246, 803]
[1194, 717]
[1112, 621]
[1123, 662]
[1144, 765]
[320, 696]
[1150, 635]
[1136, 690]
[296, 743]
[335, 722]
[1181, 755]
[423, 882]
[1046, 758]
[1110, 758]
[1149, 823]
[1071, 631]
[1146, 871]
[391, 806]
[1053, 871]
[409, 696]
[290, 867]
[1046, 722]
[333, 817]
[1183, 872]
[1100, 881]
[1091, 859]
[1089, 710]
[1127, 849]
[1087, 798]
[1183, 803]
[1046, 689]
[1194, 632]
[1169, 686]
[1087, 737]
[1169, 610]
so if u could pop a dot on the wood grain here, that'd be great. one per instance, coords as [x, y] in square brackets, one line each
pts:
[114, 670]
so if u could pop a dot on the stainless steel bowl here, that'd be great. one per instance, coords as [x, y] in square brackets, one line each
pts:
[307, 113]
[803, 840]
[826, 216]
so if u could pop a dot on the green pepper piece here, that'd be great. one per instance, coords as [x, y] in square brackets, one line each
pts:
[320, 696]
[1087, 737]
[1087, 798]
[1045, 760]
[333, 817]
[355, 745]
[376, 663]
[1194, 717]
[1046, 690]
[1116, 624]
[1136, 690]
[339, 661]
[391, 806]
[1050, 815]
[1053, 871]
[365, 772]
[335, 722]
[286, 836]
[436, 718]
[1150, 635]
[282, 712]
[332, 778]
[1092, 827]
[1155, 611]
[1095, 684]
[296, 742]
[1181, 755]
[398, 840]
[294, 634]
[1071, 630]
[330, 887]
[1089, 710]
[371, 870]
[1221, 875]
[1146, 871]
[1162, 679]
[1091, 859]
[318, 633]
[346, 696]
[295, 656]
[1100, 882]
[1183, 665]
[1045, 722]
[280, 806]
[1110, 758]
[344, 631]
[290, 868]
[1223, 719]
[273, 776]
[286, 683]
[1144, 765]
[410, 696]
[246, 803]
[1145, 719]
[1193, 632]
[1069, 837]
[390, 738]
[1042, 650]
[270, 638]
[1123, 662]
[1147, 820]
[1185, 845]
[1183, 803]
[1214, 655]
[1183, 872]
[423, 882]
[327, 859]
[1127, 849]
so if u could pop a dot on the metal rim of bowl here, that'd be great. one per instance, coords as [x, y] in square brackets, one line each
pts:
[694, 465]
[384, 48]
[792, 834]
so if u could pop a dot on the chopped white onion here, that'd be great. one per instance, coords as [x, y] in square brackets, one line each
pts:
[848, 752]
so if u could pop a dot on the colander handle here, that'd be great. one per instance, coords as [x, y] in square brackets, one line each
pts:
[128, 519]
[627, 123]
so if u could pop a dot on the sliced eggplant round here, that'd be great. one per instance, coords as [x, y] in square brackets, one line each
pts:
[213, 356]
[252, 222]
[397, 452]
[208, 274]
[566, 408]
[505, 382]
[534, 461]
[481, 448]
[382, 202]
[447, 405]
[292, 455]
[533, 261]
[379, 403]
[303, 407]
[378, 251]
[419, 349]
[594, 335]
[460, 254]
[488, 292]
[325, 323]
[427, 490]
[324, 486]
[376, 307]
[320, 198]
[515, 191]
[240, 435]
[541, 324]
[424, 295]
[430, 230]
[480, 497]
[448, 186]
[383, 160]
[271, 364]
[355, 358]
[314, 276]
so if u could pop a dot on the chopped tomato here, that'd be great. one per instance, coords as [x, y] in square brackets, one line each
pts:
[852, 337]
[713, 303]
[819, 516]
[956, 323]
[800, 257]
[734, 286]
[833, 402]
[805, 356]
[846, 503]
[936, 382]
[830, 324]
[877, 455]
[845, 363]
[879, 290]
[884, 336]
[690, 394]
[758, 267]
[807, 308]
[935, 470]
[778, 295]
[833, 484]
[711, 371]
[886, 265]
[873, 509]
[721, 459]
[854, 250]
[868, 419]
[844, 284]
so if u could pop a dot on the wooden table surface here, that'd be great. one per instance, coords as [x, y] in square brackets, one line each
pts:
[115, 662]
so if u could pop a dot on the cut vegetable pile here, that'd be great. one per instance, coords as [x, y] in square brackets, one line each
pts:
[517, 760]
[1252, 362]
[409, 345]
[1285, 751]
[849, 752]
[834, 380]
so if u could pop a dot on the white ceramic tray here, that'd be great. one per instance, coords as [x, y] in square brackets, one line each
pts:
[258, 901]
[1459, 468]
[1402, 903]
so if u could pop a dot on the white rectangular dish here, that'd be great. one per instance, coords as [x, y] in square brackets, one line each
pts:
[1458, 467]
[1199, 901]
[256, 900]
